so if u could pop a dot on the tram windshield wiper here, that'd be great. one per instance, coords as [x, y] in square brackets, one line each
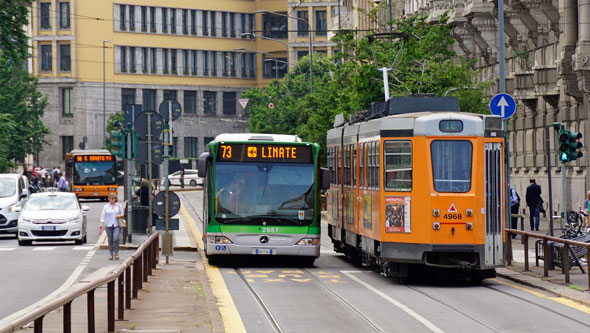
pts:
[261, 217]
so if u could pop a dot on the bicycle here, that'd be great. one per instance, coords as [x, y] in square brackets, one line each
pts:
[575, 225]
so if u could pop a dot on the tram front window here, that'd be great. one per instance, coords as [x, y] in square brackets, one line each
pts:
[95, 173]
[451, 165]
[264, 193]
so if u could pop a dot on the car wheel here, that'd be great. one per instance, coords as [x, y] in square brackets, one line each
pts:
[193, 182]
[79, 241]
[24, 242]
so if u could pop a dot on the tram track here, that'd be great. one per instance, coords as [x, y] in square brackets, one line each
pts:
[267, 313]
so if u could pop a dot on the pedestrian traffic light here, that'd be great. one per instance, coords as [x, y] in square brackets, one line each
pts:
[574, 144]
[118, 144]
[564, 148]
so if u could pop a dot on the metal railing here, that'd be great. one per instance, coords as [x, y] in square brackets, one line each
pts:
[134, 269]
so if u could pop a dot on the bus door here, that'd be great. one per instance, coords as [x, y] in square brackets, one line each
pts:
[494, 248]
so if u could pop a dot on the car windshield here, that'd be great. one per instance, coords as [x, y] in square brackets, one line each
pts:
[52, 202]
[264, 193]
[7, 187]
[95, 173]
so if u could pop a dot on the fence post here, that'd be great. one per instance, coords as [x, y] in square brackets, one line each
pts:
[148, 258]
[128, 287]
[90, 311]
[144, 265]
[546, 255]
[120, 305]
[68, 317]
[111, 306]
[38, 325]
[526, 252]
[139, 271]
[565, 262]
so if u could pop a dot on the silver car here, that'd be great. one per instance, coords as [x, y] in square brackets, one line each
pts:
[52, 216]
[13, 194]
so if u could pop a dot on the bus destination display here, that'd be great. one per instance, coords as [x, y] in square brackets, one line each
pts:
[94, 158]
[264, 153]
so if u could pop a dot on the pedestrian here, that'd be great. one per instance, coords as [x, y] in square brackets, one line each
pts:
[181, 177]
[55, 173]
[586, 208]
[43, 174]
[26, 173]
[533, 200]
[62, 183]
[514, 208]
[109, 219]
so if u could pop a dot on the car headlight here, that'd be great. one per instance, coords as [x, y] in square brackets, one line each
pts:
[24, 221]
[12, 208]
[309, 241]
[74, 220]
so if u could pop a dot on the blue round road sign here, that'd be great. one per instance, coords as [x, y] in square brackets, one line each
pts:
[503, 105]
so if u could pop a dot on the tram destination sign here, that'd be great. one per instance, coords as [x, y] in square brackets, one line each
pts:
[94, 158]
[246, 152]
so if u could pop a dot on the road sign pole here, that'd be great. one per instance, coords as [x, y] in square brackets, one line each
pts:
[149, 165]
[166, 250]
[564, 190]
[129, 183]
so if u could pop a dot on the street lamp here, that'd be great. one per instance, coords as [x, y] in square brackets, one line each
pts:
[268, 38]
[310, 42]
[270, 54]
[104, 108]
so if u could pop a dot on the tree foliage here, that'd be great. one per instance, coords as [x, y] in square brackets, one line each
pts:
[420, 59]
[21, 103]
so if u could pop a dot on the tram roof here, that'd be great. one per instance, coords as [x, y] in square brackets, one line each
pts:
[257, 137]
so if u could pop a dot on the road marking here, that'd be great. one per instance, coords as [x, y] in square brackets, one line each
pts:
[6, 249]
[51, 248]
[230, 316]
[401, 306]
[560, 300]
[83, 248]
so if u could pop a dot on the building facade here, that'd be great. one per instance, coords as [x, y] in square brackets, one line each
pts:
[547, 47]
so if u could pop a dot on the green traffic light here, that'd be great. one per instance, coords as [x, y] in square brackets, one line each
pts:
[563, 157]
[118, 143]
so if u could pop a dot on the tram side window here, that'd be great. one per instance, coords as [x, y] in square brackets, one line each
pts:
[371, 165]
[346, 165]
[354, 162]
[361, 164]
[451, 165]
[398, 165]
[338, 165]
[377, 151]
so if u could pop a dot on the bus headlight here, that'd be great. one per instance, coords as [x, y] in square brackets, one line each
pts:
[112, 189]
[218, 240]
[79, 189]
[309, 241]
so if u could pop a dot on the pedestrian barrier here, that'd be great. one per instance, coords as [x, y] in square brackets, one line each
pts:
[129, 277]
[549, 243]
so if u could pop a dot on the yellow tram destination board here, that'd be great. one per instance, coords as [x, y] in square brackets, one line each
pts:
[239, 152]
[94, 158]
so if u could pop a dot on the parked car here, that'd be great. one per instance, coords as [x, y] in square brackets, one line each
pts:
[191, 177]
[13, 194]
[52, 216]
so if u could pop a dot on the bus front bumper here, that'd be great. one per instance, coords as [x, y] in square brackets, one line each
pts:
[261, 244]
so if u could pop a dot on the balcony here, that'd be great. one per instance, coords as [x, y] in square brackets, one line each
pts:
[545, 79]
[438, 8]
[347, 20]
[524, 85]
[474, 7]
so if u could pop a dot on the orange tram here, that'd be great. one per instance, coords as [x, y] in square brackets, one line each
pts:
[415, 183]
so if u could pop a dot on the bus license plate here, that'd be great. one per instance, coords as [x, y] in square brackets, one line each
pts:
[95, 194]
[264, 251]
[48, 227]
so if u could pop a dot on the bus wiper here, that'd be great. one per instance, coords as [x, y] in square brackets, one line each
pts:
[273, 215]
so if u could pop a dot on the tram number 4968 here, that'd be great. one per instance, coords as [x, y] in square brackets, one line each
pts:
[453, 216]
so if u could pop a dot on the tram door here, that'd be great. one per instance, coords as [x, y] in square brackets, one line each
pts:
[494, 248]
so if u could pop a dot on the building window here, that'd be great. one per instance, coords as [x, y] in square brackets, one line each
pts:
[66, 102]
[143, 18]
[173, 20]
[213, 32]
[144, 59]
[252, 65]
[67, 145]
[132, 67]
[232, 64]
[185, 61]
[165, 61]
[229, 103]
[149, 99]
[205, 63]
[45, 15]
[65, 59]
[173, 61]
[243, 26]
[321, 23]
[131, 18]
[64, 15]
[154, 61]
[127, 97]
[122, 9]
[224, 24]
[123, 59]
[274, 26]
[213, 63]
[190, 102]
[207, 139]
[190, 147]
[224, 66]
[194, 62]
[301, 54]
[252, 23]
[164, 20]
[209, 99]
[185, 21]
[205, 27]
[193, 22]
[243, 64]
[232, 25]
[46, 58]
[152, 19]
[302, 27]
[169, 95]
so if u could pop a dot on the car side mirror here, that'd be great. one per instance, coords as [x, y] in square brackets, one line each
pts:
[202, 164]
[18, 209]
[85, 208]
[324, 179]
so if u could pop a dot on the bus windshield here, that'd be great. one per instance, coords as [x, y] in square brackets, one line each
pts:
[264, 193]
[95, 173]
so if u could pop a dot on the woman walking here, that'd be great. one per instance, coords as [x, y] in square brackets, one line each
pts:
[109, 220]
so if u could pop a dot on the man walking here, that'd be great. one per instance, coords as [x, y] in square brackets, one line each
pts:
[533, 200]
[514, 208]
[62, 183]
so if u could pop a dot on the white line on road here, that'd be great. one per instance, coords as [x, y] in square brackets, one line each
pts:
[49, 248]
[402, 307]
[7, 248]
[83, 248]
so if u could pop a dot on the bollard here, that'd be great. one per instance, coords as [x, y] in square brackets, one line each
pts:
[111, 306]
[68, 317]
[546, 255]
[120, 313]
[526, 252]
[565, 263]
[90, 311]
[128, 287]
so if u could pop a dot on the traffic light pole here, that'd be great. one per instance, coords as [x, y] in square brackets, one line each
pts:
[129, 187]
[149, 165]
[167, 248]
[564, 190]
[548, 153]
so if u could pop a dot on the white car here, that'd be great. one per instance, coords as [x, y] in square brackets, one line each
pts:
[191, 177]
[52, 216]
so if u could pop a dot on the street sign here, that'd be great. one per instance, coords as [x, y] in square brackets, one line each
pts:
[141, 125]
[243, 102]
[503, 105]
[173, 224]
[271, 106]
[142, 155]
[160, 203]
[130, 112]
[164, 109]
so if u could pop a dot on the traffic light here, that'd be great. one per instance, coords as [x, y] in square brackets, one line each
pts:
[574, 144]
[564, 148]
[118, 144]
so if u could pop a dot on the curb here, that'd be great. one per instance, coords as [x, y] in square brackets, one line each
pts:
[135, 246]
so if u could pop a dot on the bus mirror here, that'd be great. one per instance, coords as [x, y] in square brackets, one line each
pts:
[202, 164]
[325, 178]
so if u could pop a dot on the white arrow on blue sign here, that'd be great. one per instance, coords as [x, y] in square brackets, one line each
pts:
[503, 105]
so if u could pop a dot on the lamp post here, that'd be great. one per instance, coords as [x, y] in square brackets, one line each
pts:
[310, 42]
[270, 54]
[104, 108]
[268, 38]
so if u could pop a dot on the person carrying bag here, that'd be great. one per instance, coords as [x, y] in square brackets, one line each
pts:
[111, 217]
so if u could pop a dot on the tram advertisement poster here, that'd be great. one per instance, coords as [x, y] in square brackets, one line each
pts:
[397, 214]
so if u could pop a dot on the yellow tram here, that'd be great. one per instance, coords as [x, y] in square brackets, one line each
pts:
[416, 182]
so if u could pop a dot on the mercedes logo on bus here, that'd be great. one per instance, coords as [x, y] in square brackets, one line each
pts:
[263, 239]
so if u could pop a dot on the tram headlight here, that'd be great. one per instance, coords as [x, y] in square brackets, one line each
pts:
[218, 240]
[469, 226]
[309, 241]
[469, 212]
[436, 212]
[436, 226]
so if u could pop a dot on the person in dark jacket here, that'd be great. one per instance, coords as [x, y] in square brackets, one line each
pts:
[533, 200]
[514, 208]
